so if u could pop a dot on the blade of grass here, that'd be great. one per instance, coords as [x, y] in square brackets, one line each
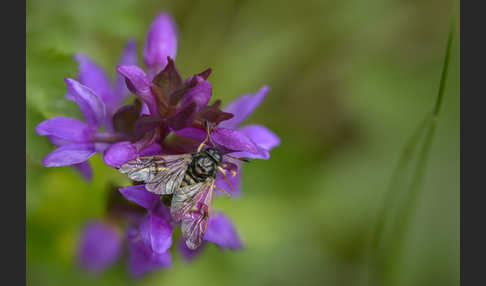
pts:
[416, 186]
[398, 176]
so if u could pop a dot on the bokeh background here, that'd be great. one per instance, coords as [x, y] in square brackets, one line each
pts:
[350, 81]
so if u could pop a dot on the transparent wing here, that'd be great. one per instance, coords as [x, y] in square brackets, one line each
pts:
[190, 207]
[194, 225]
[161, 174]
[183, 200]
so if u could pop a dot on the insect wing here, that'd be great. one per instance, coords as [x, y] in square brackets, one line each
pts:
[183, 200]
[170, 176]
[194, 225]
[190, 207]
[161, 174]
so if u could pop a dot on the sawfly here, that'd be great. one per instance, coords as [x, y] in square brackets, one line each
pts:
[190, 179]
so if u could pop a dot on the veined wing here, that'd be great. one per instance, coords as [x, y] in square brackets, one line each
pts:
[161, 174]
[190, 207]
[194, 225]
[184, 199]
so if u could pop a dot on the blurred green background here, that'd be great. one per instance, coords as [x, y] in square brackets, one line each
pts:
[350, 81]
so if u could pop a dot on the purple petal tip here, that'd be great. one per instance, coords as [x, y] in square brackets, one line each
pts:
[161, 42]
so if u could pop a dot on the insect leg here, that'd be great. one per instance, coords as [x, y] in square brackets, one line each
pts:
[228, 194]
[224, 175]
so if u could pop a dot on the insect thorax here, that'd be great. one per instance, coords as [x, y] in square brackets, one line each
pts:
[204, 165]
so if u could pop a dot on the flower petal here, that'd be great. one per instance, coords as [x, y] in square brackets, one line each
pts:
[100, 246]
[162, 211]
[243, 106]
[125, 117]
[145, 110]
[58, 141]
[213, 114]
[263, 138]
[222, 232]
[90, 104]
[169, 79]
[261, 135]
[262, 154]
[136, 79]
[147, 123]
[119, 153]
[234, 140]
[147, 139]
[68, 155]
[138, 83]
[100, 147]
[85, 169]
[200, 94]
[142, 259]
[184, 117]
[161, 42]
[156, 232]
[65, 128]
[139, 195]
[129, 55]
[93, 76]
[194, 100]
[193, 133]
[153, 149]
[128, 58]
[204, 74]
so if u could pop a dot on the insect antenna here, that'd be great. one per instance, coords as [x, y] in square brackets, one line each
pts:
[209, 128]
[243, 159]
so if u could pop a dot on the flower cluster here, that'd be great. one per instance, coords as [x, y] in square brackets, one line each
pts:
[165, 104]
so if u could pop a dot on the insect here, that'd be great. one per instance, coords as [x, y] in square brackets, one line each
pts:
[190, 179]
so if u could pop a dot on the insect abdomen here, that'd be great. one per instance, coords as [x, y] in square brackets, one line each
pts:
[188, 179]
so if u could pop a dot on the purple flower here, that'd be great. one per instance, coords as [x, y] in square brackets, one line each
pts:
[250, 141]
[95, 78]
[222, 232]
[142, 258]
[75, 139]
[164, 103]
[98, 100]
[161, 43]
[170, 103]
[100, 246]
[148, 241]
[148, 235]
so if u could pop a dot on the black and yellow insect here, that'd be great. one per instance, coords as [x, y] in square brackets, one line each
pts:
[189, 178]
